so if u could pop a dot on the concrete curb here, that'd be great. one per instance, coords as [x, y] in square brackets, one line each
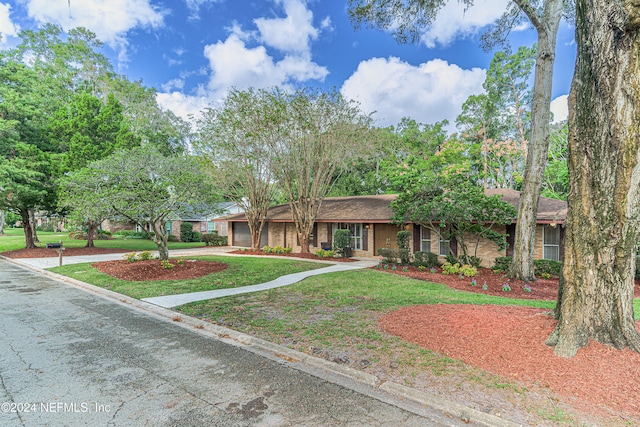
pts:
[287, 355]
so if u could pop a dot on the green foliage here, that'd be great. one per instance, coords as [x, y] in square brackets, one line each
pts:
[166, 264]
[448, 268]
[453, 207]
[321, 253]
[78, 235]
[404, 253]
[547, 266]
[388, 255]
[131, 256]
[544, 268]
[342, 241]
[145, 255]
[425, 259]
[214, 239]
[468, 270]
[186, 232]
[131, 234]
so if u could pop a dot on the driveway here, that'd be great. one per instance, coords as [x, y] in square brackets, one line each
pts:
[74, 358]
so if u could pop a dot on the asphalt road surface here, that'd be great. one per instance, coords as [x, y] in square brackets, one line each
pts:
[72, 358]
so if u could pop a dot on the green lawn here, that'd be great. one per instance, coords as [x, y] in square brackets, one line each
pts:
[242, 271]
[13, 239]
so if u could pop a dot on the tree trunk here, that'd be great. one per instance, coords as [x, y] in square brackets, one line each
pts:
[596, 296]
[29, 243]
[32, 221]
[91, 232]
[161, 238]
[2, 221]
[537, 150]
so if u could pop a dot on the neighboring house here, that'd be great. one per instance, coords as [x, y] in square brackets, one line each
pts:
[369, 220]
[207, 223]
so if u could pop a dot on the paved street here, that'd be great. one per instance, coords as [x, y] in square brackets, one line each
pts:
[72, 358]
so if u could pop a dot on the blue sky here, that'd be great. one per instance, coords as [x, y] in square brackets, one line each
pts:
[194, 51]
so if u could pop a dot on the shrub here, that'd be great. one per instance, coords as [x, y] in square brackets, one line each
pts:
[388, 255]
[278, 250]
[267, 249]
[321, 253]
[471, 260]
[448, 268]
[130, 256]
[45, 227]
[547, 266]
[451, 259]
[502, 263]
[404, 255]
[186, 232]
[468, 270]
[342, 241]
[288, 250]
[425, 259]
[173, 238]
[166, 264]
[144, 256]
[402, 239]
[214, 239]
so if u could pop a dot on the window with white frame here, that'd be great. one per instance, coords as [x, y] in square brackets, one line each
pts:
[551, 243]
[425, 239]
[356, 232]
[444, 245]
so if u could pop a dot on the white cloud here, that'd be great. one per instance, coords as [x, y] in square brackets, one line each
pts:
[292, 33]
[195, 5]
[110, 20]
[7, 27]
[453, 21]
[184, 106]
[560, 108]
[428, 93]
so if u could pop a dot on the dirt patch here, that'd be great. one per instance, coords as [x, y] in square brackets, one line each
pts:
[47, 253]
[154, 270]
[509, 341]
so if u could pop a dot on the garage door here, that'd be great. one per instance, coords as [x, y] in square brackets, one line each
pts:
[242, 236]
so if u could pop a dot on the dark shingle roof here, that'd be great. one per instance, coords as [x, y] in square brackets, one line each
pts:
[377, 208]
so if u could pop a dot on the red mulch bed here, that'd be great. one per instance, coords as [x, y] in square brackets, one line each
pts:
[46, 253]
[292, 255]
[139, 271]
[509, 341]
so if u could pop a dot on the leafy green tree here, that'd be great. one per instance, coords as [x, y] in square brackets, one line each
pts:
[80, 193]
[322, 134]
[88, 130]
[556, 175]
[408, 18]
[146, 187]
[454, 208]
[25, 184]
[236, 138]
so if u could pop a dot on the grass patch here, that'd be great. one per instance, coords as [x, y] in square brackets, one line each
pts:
[13, 239]
[242, 271]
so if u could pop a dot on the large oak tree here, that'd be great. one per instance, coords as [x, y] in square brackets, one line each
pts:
[596, 298]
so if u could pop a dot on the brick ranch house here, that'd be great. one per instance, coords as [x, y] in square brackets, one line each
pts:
[369, 220]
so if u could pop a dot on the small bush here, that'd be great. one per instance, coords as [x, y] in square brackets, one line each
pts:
[166, 264]
[173, 238]
[547, 266]
[468, 270]
[214, 239]
[288, 250]
[388, 255]
[45, 227]
[267, 250]
[342, 241]
[321, 253]
[405, 256]
[502, 264]
[402, 239]
[425, 259]
[196, 236]
[144, 256]
[186, 232]
[279, 250]
[131, 256]
[448, 268]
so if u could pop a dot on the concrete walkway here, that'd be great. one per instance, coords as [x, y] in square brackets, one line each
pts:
[170, 301]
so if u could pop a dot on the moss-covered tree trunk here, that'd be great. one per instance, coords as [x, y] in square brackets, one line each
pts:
[596, 297]
[29, 242]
